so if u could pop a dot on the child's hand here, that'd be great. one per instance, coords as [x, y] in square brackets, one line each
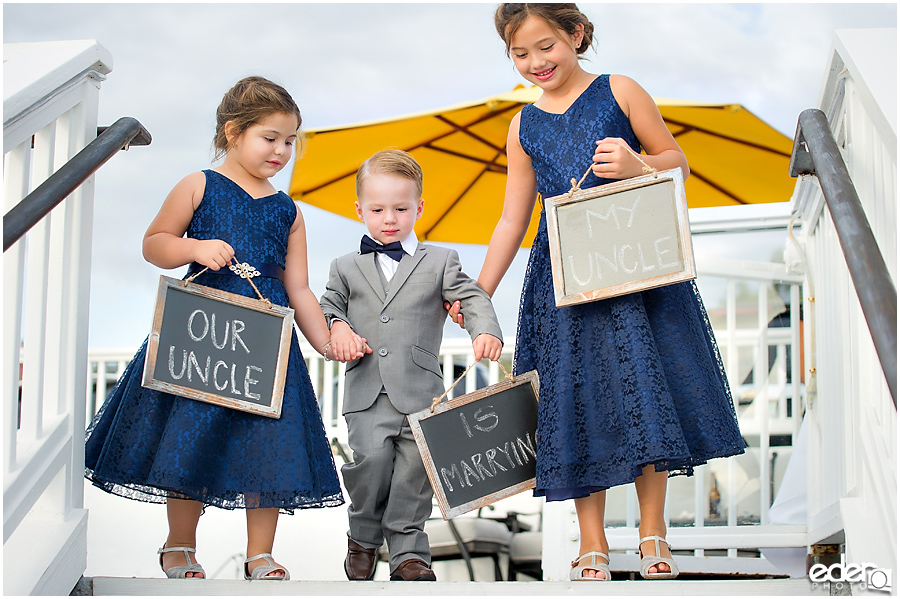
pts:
[487, 346]
[213, 253]
[614, 159]
[455, 313]
[345, 344]
[362, 348]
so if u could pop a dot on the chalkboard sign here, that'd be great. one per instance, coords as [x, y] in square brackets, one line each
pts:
[218, 347]
[620, 238]
[480, 447]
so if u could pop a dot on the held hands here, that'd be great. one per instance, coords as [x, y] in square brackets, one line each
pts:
[212, 253]
[455, 313]
[487, 346]
[345, 344]
[614, 159]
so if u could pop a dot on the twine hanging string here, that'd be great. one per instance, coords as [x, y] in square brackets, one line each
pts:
[576, 185]
[438, 400]
[241, 269]
[194, 276]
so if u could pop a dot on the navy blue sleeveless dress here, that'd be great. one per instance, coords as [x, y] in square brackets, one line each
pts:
[626, 381]
[148, 445]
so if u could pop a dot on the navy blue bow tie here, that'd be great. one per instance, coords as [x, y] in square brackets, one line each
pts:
[394, 250]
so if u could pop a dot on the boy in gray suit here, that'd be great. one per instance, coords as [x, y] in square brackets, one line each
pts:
[391, 294]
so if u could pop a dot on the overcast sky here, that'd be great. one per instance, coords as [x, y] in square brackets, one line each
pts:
[346, 63]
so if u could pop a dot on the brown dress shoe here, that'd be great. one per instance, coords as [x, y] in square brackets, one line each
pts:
[360, 562]
[413, 569]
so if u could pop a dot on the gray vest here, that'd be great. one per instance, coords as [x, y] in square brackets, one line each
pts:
[385, 284]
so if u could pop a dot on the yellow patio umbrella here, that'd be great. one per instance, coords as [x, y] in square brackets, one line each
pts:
[734, 157]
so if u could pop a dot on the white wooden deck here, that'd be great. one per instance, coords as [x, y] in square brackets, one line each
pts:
[146, 586]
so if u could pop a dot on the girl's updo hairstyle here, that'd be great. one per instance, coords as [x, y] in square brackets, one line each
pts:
[565, 17]
[251, 100]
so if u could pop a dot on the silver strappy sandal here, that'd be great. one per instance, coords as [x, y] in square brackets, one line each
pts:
[181, 571]
[647, 561]
[265, 572]
[577, 572]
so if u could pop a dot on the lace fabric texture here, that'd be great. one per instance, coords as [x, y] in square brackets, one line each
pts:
[627, 381]
[148, 445]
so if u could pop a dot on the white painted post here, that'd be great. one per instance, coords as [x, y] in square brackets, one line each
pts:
[731, 316]
[761, 401]
[700, 505]
[16, 171]
[796, 370]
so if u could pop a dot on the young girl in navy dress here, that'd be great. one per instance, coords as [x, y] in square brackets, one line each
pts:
[632, 387]
[156, 447]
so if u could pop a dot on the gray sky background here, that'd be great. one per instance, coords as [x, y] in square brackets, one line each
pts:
[346, 63]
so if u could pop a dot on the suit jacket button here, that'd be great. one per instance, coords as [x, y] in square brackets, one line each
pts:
[384, 318]
[382, 351]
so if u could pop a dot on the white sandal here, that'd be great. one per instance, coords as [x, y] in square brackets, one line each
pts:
[265, 572]
[180, 571]
[647, 561]
[577, 572]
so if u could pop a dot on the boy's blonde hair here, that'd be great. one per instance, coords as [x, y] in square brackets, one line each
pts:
[390, 162]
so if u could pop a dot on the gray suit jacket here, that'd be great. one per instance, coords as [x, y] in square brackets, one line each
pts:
[404, 328]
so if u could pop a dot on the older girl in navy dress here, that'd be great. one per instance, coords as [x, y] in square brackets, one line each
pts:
[632, 387]
[156, 447]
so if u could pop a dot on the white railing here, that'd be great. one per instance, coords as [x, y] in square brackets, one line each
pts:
[105, 366]
[768, 407]
[49, 114]
[725, 534]
[853, 424]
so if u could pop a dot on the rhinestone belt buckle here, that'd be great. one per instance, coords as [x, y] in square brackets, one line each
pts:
[244, 270]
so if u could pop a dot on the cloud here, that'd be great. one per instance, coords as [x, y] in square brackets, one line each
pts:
[768, 57]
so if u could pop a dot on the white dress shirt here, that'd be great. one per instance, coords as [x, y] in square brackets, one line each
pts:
[388, 264]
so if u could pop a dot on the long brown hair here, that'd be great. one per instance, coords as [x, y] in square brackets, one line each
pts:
[251, 100]
[565, 17]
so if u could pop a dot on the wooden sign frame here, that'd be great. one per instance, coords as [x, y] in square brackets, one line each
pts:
[603, 198]
[529, 379]
[268, 406]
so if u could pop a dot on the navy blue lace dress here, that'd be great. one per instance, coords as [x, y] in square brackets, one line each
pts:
[627, 381]
[148, 445]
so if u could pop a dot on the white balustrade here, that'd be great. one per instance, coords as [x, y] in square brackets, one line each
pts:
[853, 424]
[49, 114]
[770, 406]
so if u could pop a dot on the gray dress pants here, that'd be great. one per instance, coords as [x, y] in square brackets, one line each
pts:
[390, 496]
